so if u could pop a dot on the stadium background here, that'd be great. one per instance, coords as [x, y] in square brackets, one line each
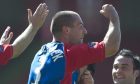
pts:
[13, 13]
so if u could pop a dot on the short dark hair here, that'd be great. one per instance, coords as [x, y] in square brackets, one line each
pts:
[60, 19]
[129, 54]
[91, 68]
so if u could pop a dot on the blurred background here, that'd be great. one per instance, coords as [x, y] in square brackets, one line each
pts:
[14, 13]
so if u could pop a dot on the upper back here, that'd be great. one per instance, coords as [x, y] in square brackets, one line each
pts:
[48, 64]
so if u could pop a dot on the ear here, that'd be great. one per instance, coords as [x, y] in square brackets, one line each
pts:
[137, 73]
[65, 29]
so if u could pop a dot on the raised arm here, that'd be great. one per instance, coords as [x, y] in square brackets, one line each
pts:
[112, 38]
[35, 22]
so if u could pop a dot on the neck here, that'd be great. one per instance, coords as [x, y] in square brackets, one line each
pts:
[64, 40]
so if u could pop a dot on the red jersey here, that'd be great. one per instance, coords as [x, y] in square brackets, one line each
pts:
[6, 52]
[81, 55]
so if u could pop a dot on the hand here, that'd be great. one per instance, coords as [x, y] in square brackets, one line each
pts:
[4, 39]
[86, 78]
[39, 16]
[109, 12]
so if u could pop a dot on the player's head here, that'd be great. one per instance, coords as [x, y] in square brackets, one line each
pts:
[68, 25]
[126, 67]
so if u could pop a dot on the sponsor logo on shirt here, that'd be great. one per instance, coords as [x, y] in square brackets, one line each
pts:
[91, 44]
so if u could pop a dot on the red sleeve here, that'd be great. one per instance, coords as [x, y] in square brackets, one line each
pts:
[6, 52]
[84, 54]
